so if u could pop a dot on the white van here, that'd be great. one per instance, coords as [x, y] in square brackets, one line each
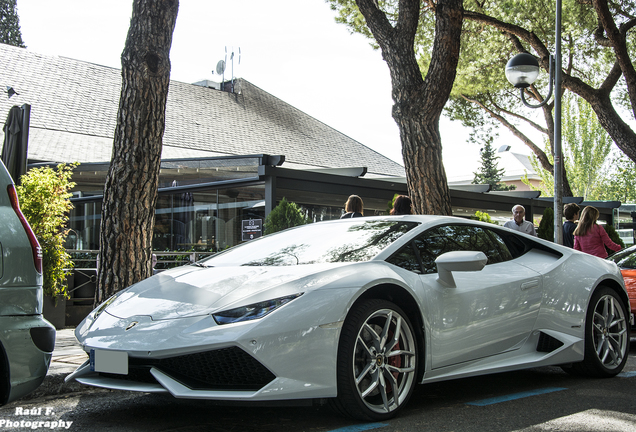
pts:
[26, 338]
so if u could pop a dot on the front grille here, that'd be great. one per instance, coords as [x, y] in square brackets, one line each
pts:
[224, 369]
[548, 343]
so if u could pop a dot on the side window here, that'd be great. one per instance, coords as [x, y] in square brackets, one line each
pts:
[434, 243]
[440, 240]
[628, 262]
[504, 252]
[407, 259]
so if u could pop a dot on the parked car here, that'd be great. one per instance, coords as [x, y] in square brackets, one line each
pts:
[357, 311]
[626, 261]
[26, 338]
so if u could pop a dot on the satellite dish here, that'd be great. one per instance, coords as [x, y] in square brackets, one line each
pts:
[220, 67]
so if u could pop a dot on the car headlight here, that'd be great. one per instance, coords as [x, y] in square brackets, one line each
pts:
[253, 311]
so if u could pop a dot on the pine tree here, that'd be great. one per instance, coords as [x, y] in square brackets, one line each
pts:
[489, 172]
[285, 215]
[130, 192]
[10, 33]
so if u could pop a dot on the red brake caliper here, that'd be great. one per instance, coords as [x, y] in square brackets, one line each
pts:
[395, 361]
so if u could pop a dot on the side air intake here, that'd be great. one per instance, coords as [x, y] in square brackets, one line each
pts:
[548, 343]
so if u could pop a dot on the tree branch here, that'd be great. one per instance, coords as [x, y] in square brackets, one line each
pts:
[543, 159]
[619, 44]
[536, 126]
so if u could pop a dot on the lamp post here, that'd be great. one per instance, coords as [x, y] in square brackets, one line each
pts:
[522, 70]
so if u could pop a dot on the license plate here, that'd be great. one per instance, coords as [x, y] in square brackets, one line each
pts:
[115, 362]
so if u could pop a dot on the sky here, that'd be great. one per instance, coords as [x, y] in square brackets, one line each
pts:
[293, 49]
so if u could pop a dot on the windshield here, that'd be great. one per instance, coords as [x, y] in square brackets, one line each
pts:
[354, 240]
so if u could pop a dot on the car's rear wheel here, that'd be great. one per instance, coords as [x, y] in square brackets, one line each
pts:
[377, 361]
[606, 336]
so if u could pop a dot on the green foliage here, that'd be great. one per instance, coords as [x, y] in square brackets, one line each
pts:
[390, 203]
[546, 185]
[613, 235]
[546, 226]
[586, 147]
[10, 33]
[594, 172]
[483, 217]
[480, 90]
[621, 180]
[485, 50]
[489, 172]
[44, 200]
[285, 215]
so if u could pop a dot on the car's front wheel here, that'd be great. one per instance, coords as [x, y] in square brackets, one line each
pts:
[377, 361]
[606, 336]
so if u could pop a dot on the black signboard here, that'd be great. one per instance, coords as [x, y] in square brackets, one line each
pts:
[252, 228]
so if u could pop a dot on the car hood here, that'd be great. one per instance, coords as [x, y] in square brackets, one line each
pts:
[191, 291]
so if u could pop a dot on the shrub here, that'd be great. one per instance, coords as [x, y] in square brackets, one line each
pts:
[613, 235]
[285, 215]
[483, 217]
[44, 200]
[546, 226]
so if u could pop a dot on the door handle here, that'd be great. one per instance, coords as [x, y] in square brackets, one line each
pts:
[529, 285]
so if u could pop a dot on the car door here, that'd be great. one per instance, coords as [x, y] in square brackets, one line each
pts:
[487, 312]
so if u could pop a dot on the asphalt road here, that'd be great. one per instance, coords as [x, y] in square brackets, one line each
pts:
[542, 399]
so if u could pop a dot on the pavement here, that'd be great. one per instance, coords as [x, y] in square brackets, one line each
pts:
[67, 356]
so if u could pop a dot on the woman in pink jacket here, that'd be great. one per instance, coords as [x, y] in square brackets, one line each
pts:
[590, 237]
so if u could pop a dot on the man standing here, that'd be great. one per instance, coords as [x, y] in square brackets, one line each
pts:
[518, 223]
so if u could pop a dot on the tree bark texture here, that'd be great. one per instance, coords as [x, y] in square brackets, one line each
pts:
[130, 192]
[598, 98]
[418, 101]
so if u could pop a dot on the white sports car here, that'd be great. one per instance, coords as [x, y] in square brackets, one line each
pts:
[358, 311]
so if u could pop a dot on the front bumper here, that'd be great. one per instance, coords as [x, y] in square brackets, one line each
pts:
[279, 357]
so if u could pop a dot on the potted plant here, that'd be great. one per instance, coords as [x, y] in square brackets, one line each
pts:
[44, 199]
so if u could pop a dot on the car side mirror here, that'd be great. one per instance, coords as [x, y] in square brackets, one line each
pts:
[458, 261]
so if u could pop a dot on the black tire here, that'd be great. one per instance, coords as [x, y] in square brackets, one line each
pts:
[606, 336]
[376, 370]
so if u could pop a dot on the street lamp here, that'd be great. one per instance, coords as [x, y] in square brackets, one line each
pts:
[522, 70]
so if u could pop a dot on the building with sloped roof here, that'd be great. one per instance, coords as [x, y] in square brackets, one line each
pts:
[74, 112]
[218, 142]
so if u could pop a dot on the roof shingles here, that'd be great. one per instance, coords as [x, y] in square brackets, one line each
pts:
[74, 110]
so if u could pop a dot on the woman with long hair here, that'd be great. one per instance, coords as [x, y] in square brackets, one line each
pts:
[402, 206]
[353, 207]
[590, 237]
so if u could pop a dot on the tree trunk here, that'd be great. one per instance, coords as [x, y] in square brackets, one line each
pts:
[418, 102]
[130, 193]
[425, 175]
